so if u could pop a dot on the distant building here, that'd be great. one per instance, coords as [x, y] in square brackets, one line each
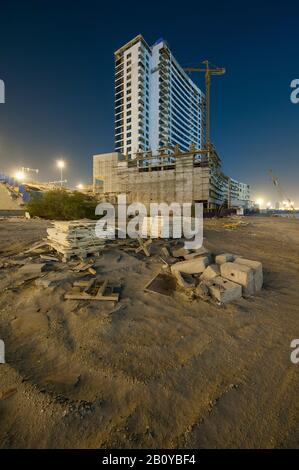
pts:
[239, 194]
[156, 103]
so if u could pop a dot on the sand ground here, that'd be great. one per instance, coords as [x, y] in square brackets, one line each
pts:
[154, 371]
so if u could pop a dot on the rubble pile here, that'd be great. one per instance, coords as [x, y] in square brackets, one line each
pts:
[224, 278]
[74, 238]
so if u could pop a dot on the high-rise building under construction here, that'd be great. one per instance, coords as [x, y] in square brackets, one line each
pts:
[156, 103]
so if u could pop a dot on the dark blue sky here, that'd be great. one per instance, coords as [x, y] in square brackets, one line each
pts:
[56, 59]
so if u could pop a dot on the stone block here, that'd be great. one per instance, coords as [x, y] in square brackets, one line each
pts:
[210, 272]
[257, 269]
[224, 291]
[241, 274]
[224, 258]
[192, 266]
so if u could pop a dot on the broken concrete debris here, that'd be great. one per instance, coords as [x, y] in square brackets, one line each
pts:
[257, 271]
[240, 274]
[224, 290]
[191, 266]
[224, 280]
[210, 272]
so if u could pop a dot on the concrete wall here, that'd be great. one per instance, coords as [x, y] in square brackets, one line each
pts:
[105, 168]
[181, 181]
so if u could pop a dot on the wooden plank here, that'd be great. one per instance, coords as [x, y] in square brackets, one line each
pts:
[90, 284]
[143, 246]
[102, 288]
[83, 296]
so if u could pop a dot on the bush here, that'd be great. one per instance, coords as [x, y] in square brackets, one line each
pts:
[62, 205]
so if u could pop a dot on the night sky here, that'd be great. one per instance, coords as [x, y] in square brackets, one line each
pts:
[56, 59]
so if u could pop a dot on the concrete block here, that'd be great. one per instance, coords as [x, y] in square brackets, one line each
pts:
[257, 269]
[210, 272]
[241, 274]
[192, 266]
[224, 258]
[224, 291]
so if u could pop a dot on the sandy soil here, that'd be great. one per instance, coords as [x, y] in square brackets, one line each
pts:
[154, 371]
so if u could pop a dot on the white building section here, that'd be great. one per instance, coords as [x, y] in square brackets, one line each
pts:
[156, 103]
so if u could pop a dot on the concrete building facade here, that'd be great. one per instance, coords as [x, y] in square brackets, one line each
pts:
[156, 103]
[183, 177]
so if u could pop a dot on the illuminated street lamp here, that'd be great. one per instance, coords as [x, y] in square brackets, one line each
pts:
[61, 165]
[20, 175]
[80, 186]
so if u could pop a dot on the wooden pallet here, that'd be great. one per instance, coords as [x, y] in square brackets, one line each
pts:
[93, 290]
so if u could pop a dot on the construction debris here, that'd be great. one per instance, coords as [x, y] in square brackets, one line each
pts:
[75, 238]
[33, 268]
[224, 291]
[93, 290]
[210, 272]
[224, 280]
[162, 283]
[240, 274]
[144, 246]
[257, 271]
[192, 266]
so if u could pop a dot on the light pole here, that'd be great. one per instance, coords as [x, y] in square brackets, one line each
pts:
[61, 165]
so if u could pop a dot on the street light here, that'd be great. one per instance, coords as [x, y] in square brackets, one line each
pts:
[80, 186]
[20, 175]
[61, 165]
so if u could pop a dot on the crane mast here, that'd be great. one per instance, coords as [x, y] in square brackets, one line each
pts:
[208, 71]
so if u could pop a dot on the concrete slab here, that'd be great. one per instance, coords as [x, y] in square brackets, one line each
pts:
[257, 269]
[210, 272]
[241, 274]
[224, 291]
[192, 266]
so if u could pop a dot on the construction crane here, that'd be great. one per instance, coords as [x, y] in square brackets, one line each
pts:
[280, 190]
[208, 71]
